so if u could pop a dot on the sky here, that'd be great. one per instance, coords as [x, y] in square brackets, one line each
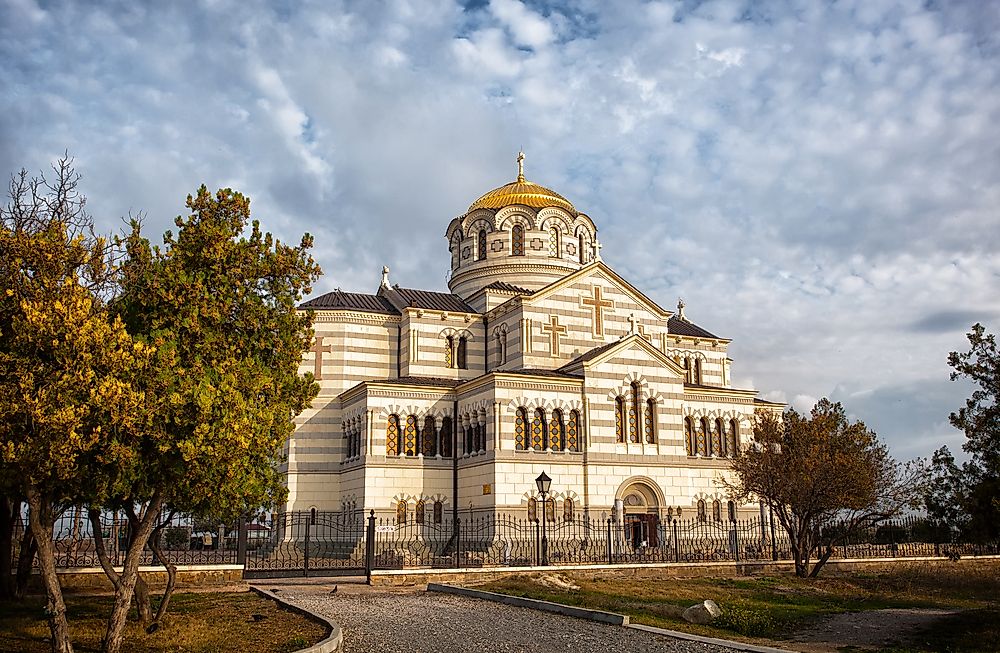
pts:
[819, 181]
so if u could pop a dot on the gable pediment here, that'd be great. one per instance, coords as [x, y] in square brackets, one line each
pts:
[599, 272]
[615, 352]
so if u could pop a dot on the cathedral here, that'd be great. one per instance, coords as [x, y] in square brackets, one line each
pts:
[541, 358]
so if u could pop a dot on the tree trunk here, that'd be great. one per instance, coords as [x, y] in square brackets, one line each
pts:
[154, 543]
[8, 510]
[94, 515]
[40, 516]
[822, 561]
[129, 576]
[25, 558]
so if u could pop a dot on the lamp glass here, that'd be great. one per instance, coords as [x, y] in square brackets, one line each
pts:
[543, 482]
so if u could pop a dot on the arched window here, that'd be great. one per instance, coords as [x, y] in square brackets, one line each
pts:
[556, 430]
[503, 347]
[703, 437]
[554, 245]
[445, 437]
[520, 423]
[568, 510]
[538, 435]
[517, 240]
[449, 351]
[429, 439]
[690, 440]
[550, 509]
[717, 510]
[634, 414]
[419, 514]
[732, 510]
[573, 431]
[401, 513]
[456, 249]
[697, 371]
[688, 372]
[481, 246]
[312, 516]
[499, 358]
[392, 436]
[701, 511]
[734, 438]
[581, 244]
[410, 436]
[650, 421]
[463, 345]
[719, 438]
[438, 512]
[620, 419]
[532, 509]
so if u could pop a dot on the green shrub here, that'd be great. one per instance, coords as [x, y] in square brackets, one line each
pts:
[746, 619]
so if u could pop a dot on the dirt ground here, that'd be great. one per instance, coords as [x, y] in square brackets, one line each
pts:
[870, 629]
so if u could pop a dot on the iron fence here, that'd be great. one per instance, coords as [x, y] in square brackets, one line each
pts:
[323, 542]
[183, 539]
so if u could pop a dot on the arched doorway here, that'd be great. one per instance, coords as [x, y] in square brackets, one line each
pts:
[640, 503]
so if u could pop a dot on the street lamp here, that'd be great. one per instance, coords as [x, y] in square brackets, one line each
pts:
[543, 482]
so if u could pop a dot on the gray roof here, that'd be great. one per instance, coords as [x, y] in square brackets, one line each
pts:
[507, 287]
[436, 301]
[354, 301]
[682, 327]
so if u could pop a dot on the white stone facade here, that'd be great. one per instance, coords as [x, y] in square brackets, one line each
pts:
[540, 359]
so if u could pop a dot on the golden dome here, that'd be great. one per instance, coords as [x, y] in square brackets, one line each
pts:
[523, 192]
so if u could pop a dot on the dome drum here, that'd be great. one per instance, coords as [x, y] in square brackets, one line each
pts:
[521, 233]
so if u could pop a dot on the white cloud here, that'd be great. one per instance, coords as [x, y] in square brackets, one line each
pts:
[819, 183]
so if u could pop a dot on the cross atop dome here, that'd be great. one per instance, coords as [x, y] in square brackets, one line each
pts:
[520, 167]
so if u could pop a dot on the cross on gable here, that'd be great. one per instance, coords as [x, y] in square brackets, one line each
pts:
[318, 350]
[555, 330]
[597, 303]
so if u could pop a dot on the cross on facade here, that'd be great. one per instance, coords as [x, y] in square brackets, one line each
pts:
[317, 349]
[597, 304]
[555, 330]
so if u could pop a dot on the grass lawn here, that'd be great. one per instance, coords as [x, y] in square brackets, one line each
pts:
[773, 607]
[240, 622]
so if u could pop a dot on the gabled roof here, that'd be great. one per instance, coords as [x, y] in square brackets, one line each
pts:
[681, 327]
[435, 301]
[353, 301]
[503, 286]
[540, 372]
[641, 298]
[419, 380]
[604, 352]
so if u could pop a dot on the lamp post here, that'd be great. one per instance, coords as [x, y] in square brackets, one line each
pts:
[543, 482]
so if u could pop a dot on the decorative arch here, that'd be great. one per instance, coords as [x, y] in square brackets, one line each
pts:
[649, 489]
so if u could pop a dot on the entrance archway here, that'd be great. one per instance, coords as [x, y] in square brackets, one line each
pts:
[640, 505]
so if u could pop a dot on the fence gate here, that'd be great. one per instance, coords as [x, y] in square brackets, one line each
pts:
[304, 543]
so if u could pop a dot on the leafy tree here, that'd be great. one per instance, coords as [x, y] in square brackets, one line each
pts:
[825, 477]
[65, 363]
[968, 497]
[217, 305]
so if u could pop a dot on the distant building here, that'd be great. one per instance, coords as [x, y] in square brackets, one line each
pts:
[541, 358]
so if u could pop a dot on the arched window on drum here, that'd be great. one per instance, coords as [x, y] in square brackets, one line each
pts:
[555, 245]
[517, 240]
[481, 245]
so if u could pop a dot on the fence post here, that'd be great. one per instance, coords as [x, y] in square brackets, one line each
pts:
[538, 540]
[736, 541]
[677, 545]
[305, 561]
[610, 555]
[241, 542]
[458, 542]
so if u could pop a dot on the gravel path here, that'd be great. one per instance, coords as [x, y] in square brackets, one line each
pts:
[415, 622]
